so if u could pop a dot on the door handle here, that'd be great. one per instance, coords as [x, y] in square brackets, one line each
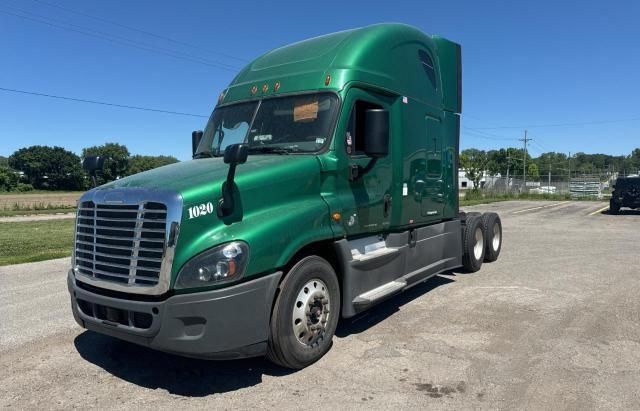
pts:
[387, 205]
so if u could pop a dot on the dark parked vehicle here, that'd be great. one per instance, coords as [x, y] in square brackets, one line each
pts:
[626, 193]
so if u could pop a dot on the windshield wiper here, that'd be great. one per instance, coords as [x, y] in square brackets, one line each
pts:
[269, 150]
[203, 154]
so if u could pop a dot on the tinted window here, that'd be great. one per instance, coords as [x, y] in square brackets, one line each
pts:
[428, 66]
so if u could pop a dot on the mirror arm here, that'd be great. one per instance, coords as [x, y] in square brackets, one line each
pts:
[356, 171]
[225, 205]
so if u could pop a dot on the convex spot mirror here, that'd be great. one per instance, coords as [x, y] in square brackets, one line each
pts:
[235, 154]
[376, 124]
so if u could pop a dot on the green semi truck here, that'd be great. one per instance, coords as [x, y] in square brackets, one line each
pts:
[324, 182]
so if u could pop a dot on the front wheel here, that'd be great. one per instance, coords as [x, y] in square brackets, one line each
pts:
[305, 315]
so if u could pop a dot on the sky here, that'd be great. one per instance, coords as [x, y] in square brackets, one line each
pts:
[566, 71]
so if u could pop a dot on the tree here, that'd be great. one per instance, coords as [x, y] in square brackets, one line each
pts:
[115, 165]
[499, 161]
[138, 163]
[533, 173]
[474, 162]
[8, 179]
[49, 167]
[4, 162]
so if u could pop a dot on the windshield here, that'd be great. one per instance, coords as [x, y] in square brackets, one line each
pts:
[293, 124]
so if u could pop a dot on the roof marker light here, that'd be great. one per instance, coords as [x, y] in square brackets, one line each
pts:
[265, 87]
[254, 89]
[327, 80]
[276, 86]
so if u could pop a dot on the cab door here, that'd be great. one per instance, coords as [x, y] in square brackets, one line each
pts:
[366, 198]
[433, 198]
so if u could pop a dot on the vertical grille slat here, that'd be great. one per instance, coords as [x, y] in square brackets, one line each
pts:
[121, 243]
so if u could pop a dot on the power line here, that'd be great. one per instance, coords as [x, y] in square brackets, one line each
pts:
[148, 33]
[115, 39]
[103, 103]
[585, 123]
[485, 135]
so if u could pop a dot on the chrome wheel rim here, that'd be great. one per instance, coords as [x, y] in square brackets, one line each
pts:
[496, 237]
[311, 312]
[477, 249]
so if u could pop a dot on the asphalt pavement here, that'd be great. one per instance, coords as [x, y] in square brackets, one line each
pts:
[553, 324]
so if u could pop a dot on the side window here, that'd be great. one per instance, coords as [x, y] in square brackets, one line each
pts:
[355, 135]
[428, 66]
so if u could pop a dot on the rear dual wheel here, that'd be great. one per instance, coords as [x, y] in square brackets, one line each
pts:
[482, 240]
[473, 245]
[492, 226]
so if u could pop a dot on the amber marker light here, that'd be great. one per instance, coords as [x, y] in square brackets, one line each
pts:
[336, 216]
[254, 89]
[327, 80]
[276, 86]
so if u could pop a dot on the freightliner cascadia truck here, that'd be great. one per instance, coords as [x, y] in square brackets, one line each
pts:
[324, 182]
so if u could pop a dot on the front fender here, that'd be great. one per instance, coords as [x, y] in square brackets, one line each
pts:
[274, 235]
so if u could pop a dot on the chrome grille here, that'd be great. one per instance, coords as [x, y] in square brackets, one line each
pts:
[121, 243]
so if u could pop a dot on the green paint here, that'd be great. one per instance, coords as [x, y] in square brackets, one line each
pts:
[284, 202]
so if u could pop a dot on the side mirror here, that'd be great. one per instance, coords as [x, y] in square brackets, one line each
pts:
[196, 136]
[236, 154]
[376, 125]
[93, 164]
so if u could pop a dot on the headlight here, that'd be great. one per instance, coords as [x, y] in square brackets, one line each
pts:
[221, 264]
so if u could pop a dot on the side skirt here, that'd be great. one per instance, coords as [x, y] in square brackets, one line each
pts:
[378, 267]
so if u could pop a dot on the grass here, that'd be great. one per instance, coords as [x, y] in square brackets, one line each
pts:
[53, 192]
[12, 213]
[29, 241]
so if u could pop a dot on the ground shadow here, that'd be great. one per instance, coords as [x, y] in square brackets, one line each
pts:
[381, 312]
[178, 375]
[198, 378]
[622, 212]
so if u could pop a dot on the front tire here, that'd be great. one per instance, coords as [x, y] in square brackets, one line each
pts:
[305, 315]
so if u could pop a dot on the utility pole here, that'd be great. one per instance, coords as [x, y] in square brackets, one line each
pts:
[508, 164]
[524, 164]
[569, 179]
[549, 183]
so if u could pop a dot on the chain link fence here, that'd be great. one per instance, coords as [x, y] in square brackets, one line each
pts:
[583, 186]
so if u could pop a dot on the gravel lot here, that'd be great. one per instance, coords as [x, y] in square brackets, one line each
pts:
[553, 324]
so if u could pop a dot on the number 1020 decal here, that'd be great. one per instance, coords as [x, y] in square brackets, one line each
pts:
[200, 210]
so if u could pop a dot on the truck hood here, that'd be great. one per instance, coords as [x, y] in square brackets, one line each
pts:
[193, 178]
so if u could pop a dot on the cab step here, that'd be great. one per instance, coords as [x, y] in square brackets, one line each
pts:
[379, 293]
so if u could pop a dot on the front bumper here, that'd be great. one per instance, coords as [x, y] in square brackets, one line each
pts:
[232, 322]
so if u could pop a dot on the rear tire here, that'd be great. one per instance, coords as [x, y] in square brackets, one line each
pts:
[614, 208]
[492, 236]
[473, 244]
[305, 315]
